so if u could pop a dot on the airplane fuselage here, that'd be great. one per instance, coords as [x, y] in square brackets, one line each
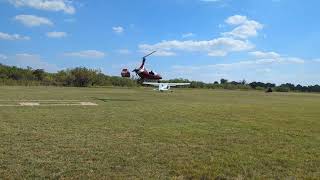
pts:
[165, 86]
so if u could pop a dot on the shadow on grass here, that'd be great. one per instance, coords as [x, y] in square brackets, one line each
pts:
[110, 99]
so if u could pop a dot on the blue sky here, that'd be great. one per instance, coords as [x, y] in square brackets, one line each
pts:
[266, 40]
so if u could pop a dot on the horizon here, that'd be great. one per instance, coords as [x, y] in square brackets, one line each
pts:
[271, 41]
[218, 81]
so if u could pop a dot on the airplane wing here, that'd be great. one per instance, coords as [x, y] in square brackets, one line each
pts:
[151, 83]
[177, 84]
[168, 84]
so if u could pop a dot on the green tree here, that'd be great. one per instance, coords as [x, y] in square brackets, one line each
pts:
[223, 81]
[39, 74]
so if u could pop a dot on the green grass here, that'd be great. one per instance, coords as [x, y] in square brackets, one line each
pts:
[140, 133]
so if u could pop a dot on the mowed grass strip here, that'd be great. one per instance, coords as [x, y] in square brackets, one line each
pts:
[140, 133]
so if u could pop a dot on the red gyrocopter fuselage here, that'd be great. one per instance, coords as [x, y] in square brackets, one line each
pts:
[144, 74]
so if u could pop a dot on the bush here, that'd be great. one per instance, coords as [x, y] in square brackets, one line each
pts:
[260, 88]
[282, 89]
[244, 87]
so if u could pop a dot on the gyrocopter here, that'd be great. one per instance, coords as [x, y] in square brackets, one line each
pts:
[150, 77]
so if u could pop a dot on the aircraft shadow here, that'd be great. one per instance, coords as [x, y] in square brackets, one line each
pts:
[111, 99]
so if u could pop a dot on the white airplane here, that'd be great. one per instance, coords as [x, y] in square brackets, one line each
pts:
[165, 86]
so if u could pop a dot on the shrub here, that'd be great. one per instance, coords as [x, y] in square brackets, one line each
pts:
[282, 89]
[260, 88]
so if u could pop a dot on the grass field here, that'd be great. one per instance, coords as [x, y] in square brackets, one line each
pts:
[140, 133]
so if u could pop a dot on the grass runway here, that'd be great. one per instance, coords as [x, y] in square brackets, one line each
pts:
[143, 134]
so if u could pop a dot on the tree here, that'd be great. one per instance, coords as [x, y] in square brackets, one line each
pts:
[289, 85]
[223, 81]
[83, 77]
[39, 74]
[282, 89]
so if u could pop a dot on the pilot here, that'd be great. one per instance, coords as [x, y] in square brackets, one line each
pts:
[151, 73]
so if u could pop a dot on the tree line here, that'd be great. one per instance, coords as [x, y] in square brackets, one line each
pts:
[243, 85]
[85, 77]
[76, 77]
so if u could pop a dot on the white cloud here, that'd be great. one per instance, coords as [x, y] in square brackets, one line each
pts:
[118, 29]
[123, 51]
[188, 35]
[31, 20]
[32, 60]
[94, 54]
[259, 63]
[56, 34]
[2, 56]
[48, 5]
[215, 47]
[221, 25]
[256, 69]
[316, 60]
[260, 54]
[163, 53]
[275, 57]
[295, 60]
[236, 20]
[158, 52]
[234, 41]
[246, 28]
[218, 53]
[12, 37]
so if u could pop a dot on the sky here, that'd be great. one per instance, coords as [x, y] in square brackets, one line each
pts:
[267, 40]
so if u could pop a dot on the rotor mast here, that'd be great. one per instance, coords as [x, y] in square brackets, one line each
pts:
[144, 59]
